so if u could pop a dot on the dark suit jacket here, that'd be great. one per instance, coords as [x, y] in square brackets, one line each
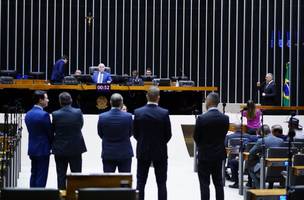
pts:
[115, 130]
[270, 93]
[106, 77]
[38, 124]
[135, 81]
[152, 130]
[58, 71]
[67, 124]
[209, 134]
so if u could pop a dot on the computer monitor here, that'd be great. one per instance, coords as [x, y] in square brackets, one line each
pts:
[148, 78]
[162, 82]
[84, 78]
[119, 79]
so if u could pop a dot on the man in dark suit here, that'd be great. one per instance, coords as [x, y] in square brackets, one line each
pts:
[152, 130]
[270, 140]
[115, 130]
[68, 142]
[58, 70]
[38, 124]
[135, 79]
[209, 135]
[101, 76]
[268, 90]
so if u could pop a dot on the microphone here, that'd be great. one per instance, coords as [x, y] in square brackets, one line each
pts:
[224, 105]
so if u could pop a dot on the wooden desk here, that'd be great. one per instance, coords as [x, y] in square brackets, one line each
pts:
[280, 162]
[41, 85]
[185, 99]
[246, 155]
[298, 170]
[80, 180]
[254, 194]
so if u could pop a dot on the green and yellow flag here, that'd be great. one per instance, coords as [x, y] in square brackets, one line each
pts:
[286, 88]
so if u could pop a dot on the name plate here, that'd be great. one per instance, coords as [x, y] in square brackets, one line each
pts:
[103, 87]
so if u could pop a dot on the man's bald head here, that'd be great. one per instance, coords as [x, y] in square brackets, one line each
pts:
[153, 94]
[116, 100]
[212, 100]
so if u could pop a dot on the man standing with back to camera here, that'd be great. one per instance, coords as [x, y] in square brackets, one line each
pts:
[68, 144]
[209, 135]
[152, 130]
[115, 129]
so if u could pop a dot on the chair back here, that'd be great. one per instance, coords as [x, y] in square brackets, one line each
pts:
[274, 172]
[234, 144]
[29, 193]
[298, 140]
[107, 194]
[279, 152]
[249, 146]
[298, 159]
[92, 69]
[106, 180]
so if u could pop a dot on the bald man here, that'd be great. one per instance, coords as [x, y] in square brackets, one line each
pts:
[115, 130]
[101, 76]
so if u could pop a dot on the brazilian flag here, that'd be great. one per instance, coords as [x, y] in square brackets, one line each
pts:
[286, 88]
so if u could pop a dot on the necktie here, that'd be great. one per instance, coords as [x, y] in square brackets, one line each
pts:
[100, 77]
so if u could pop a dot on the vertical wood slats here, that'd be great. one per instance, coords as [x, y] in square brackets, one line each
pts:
[194, 48]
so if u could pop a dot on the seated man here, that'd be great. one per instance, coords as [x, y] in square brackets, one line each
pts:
[77, 72]
[270, 140]
[135, 80]
[233, 162]
[148, 72]
[101, 76]
[277, 131]
[237, 134]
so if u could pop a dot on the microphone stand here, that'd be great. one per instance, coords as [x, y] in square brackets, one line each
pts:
[291, 134]
[196, 113]
[241, 159]
[224, 161]
[262, 159]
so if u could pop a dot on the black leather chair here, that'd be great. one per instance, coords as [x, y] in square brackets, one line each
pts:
[37, 75]
[296, 193]
[274, 172]
[249, 146]
[298, 145]
[107, 194]
[11, 73]
[92, 69]
[29, 194]
[234, 144]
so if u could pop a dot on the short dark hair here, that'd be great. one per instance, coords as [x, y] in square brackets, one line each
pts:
[116, 100]
[38, 94]
[213, 98]
[65, 99]
[153, 94]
